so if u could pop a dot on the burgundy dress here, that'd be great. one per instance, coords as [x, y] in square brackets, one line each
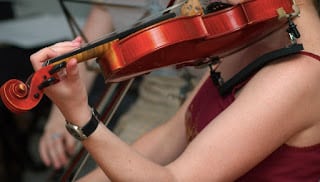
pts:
[286, 164]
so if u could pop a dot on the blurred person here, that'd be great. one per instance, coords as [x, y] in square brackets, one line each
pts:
[18, 130]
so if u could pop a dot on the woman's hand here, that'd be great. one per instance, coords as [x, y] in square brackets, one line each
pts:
[40, 57]
[69, 94]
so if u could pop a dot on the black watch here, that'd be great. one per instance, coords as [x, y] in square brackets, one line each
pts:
[84, 132]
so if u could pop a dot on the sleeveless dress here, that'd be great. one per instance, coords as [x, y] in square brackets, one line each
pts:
[286, 164]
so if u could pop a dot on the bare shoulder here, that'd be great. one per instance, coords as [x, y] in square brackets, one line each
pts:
[275, 106]
[298, 74]
[293, 85]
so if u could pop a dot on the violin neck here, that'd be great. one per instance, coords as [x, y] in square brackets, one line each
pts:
[99, 47]
[86, 55]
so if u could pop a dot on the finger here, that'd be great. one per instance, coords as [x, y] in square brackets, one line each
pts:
[53, 156]
[75, 42]
[70, 143]
[60, 157]
[51, 151]
[44, 155]
[57, 49]
[38, 58]
[78, 40]
[63, 47]
[55, 149]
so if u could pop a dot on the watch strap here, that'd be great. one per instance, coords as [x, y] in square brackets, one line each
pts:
[84, 132]
[92, 124]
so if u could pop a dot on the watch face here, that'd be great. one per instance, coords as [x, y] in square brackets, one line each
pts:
[75, 131]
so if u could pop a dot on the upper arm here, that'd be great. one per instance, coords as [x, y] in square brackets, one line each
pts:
[276, 103]
[171, 134]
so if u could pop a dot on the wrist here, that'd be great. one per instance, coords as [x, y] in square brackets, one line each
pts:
[78, 115]
[83, 131]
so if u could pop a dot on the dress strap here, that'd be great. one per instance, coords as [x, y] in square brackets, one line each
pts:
[317, 57]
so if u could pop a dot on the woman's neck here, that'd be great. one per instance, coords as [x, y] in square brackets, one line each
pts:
[237, 61]
[278, 39]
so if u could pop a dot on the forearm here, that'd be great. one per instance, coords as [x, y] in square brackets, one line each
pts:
[98, 24]
[161, 149]
[159, 153]
[164, 143]
[161, 145]
[119, 161]
[97, 175]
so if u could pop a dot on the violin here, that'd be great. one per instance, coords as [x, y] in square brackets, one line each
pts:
[165, 41]
[186, 41]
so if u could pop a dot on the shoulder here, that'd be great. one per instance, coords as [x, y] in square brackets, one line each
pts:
[298, 71]
[291, 83]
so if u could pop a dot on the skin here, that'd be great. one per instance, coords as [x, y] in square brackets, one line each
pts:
[279, 105]
[56, 151]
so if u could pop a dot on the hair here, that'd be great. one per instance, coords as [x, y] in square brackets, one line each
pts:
[317, 5]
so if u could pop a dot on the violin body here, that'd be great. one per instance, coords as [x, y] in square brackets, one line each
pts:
[187, 41]
[254, 20]
[177, 41]
[154, 47]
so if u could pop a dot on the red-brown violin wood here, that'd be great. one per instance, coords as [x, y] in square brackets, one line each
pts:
[180, 41]
[166, 44]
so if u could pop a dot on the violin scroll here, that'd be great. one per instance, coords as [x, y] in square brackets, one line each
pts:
[19, 97]
[13, 94]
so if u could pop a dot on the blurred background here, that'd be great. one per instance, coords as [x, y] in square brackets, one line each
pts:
[25, 27]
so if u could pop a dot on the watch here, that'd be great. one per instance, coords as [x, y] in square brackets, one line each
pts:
[84, 132]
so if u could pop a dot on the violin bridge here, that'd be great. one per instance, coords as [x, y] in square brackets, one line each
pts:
[191, 7]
